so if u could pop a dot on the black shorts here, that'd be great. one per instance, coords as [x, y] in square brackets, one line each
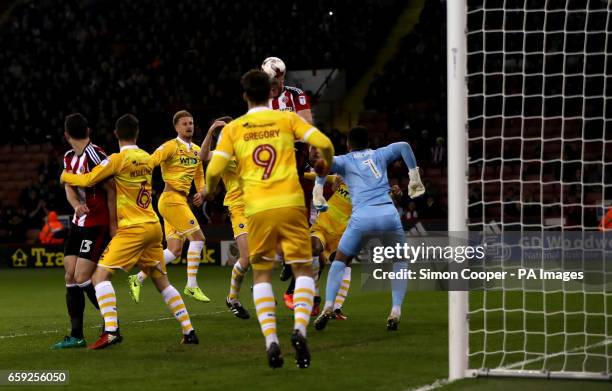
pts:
[87, 242]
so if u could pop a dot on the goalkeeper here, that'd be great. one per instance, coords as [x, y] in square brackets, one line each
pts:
[365, 173]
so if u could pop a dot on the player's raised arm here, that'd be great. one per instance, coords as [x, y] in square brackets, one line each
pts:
[313, 136]
[399, 150]
[219, 160]
[217, 126]
[404, 151]
[316, 138]
[105, 169]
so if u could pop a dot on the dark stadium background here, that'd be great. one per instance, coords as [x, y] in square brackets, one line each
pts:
[104, 58]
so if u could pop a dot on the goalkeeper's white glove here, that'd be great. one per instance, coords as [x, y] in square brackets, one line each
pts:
[318, 201]
[415, 186]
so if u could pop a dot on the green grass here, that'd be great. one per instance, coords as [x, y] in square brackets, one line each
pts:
[356, 354]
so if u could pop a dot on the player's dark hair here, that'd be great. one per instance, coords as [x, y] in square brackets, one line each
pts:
[126, 127]
[256, 85]
[358, 138]
[180, 114]
[76, 126]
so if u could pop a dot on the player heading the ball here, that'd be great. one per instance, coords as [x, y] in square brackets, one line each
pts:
[262, 143]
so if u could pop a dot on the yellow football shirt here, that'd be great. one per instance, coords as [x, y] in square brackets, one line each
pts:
[180, 165]
[340, 206]
[233, 192]
[262, 143]
[132, 181]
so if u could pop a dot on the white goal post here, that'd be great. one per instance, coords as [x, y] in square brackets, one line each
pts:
[529, 84]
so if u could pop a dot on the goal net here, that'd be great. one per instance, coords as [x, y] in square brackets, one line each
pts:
[539, 160]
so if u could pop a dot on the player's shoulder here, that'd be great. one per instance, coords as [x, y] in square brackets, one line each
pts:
[113, 157]
[388, 150]
[141, 152]
[168, 145]
[383, 149]
[95, 148]
[135, 151]
[236, 121]
[294, 90]
[284, 115]
[69, 153]
[173, 142]
[251, 119]
[95, 153]
[358, 156]
[233, 124]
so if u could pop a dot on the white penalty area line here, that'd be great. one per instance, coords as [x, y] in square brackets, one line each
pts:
[553, 355]
[98, 326]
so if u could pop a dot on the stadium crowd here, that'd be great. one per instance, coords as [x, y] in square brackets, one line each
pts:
[102, 58]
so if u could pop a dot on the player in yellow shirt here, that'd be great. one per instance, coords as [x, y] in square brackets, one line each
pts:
[138, 240]
[262, 143]
[180, 163]
[235, 205]
[325, 234]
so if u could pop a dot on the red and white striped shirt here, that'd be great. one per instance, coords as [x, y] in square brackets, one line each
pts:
[290, 99]
[95, 196]
[294, 99]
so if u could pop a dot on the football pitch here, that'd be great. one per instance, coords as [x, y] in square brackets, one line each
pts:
[356, 354]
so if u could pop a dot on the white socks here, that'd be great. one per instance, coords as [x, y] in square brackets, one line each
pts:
[302, 299]
[193, 262]
[263, 296]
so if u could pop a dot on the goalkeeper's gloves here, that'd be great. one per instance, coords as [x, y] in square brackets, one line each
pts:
[318, 201]
[415, 186]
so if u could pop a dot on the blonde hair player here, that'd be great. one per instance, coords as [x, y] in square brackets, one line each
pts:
[262, 143]
[180, 163]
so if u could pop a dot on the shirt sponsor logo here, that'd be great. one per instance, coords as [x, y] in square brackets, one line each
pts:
[188, 160]
[249, 125]
[343, 192]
